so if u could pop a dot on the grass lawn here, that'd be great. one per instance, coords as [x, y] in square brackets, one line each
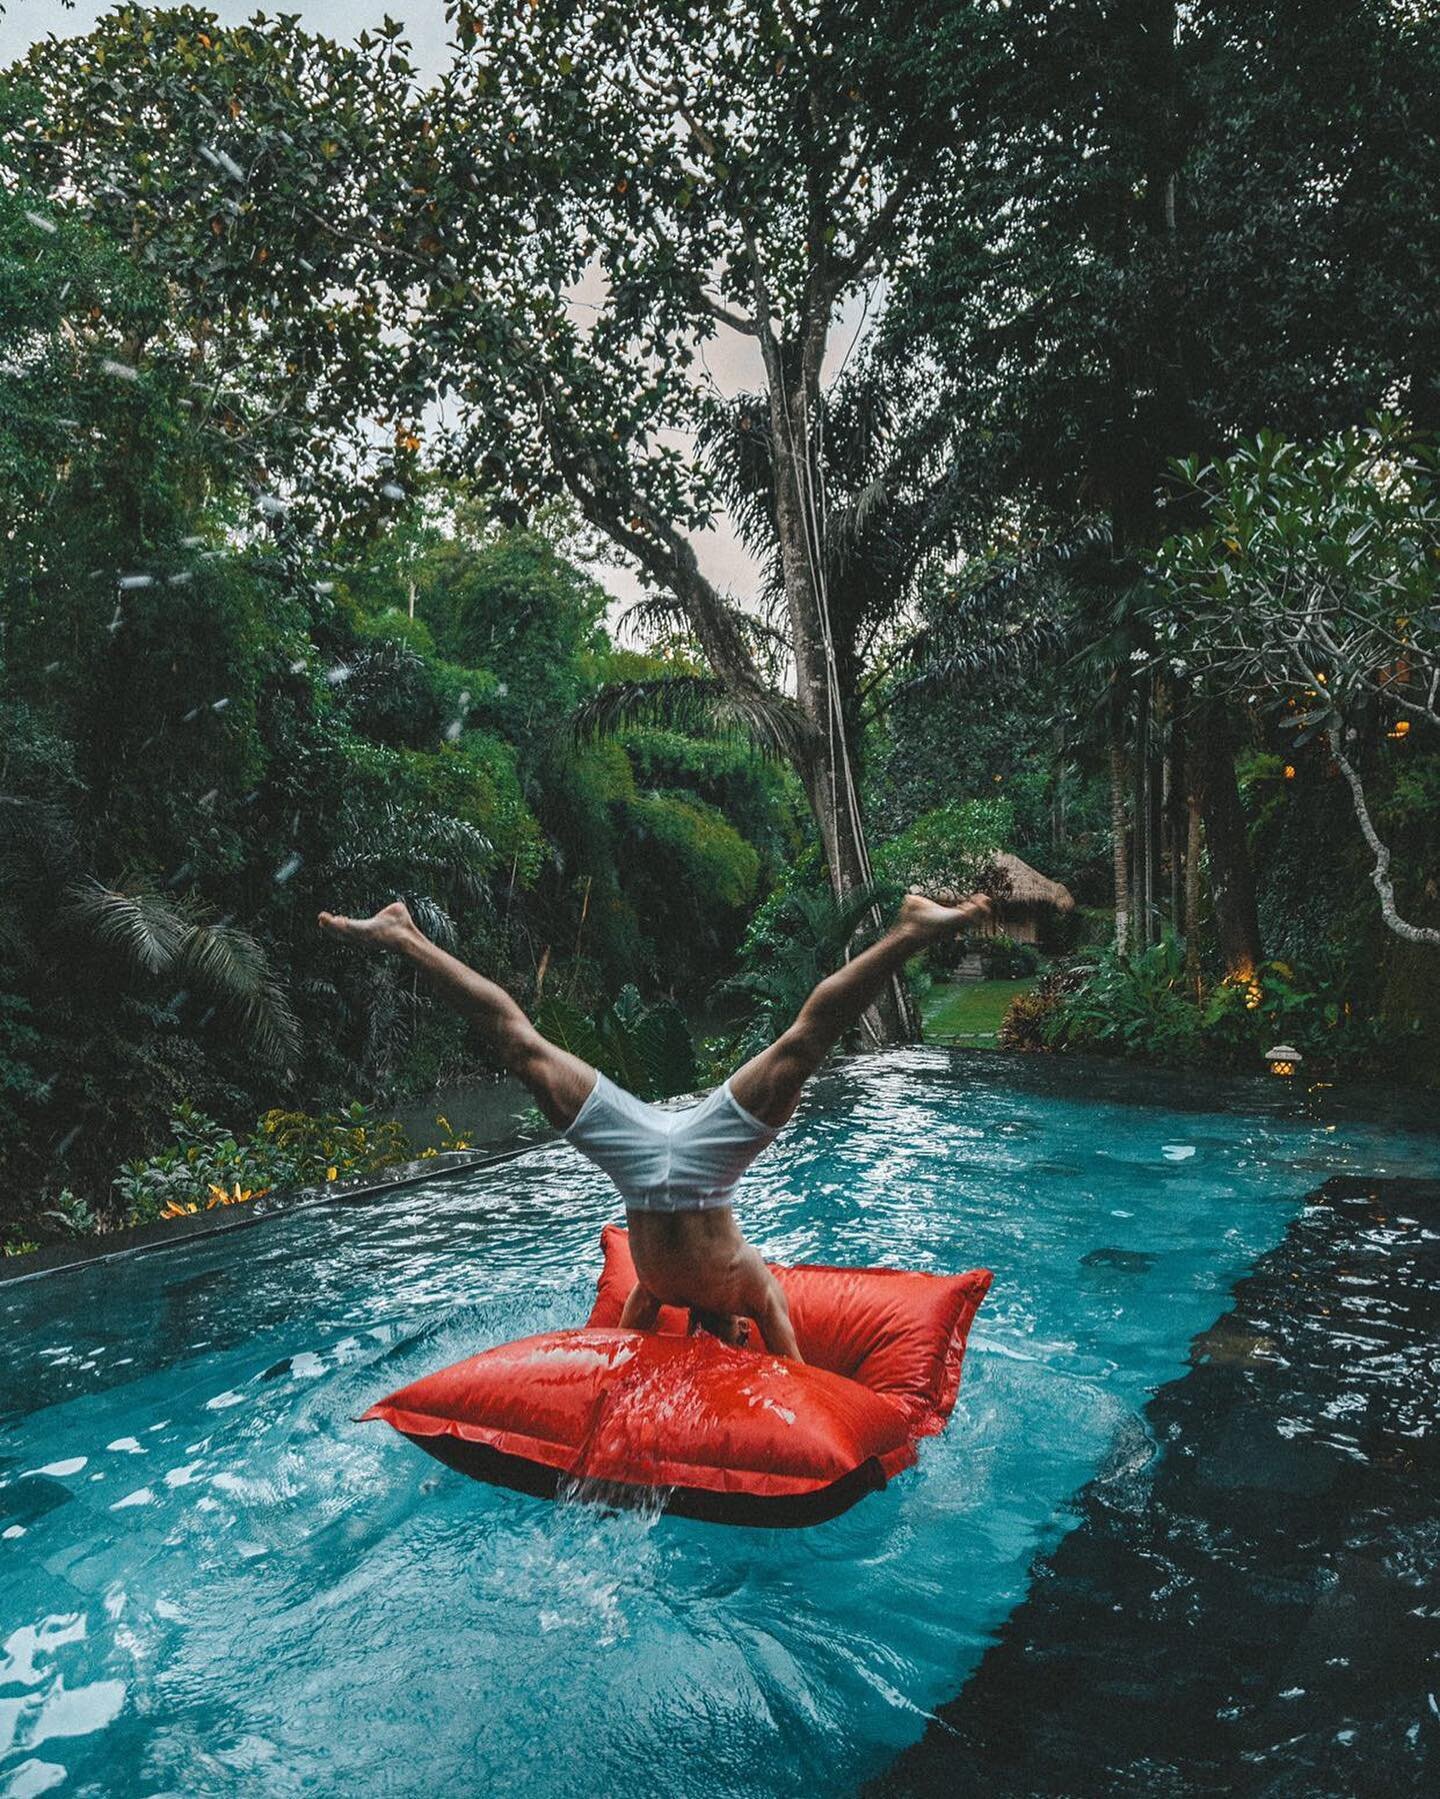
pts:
[968, 1013]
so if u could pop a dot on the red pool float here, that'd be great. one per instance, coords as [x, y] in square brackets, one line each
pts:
[734, 1436]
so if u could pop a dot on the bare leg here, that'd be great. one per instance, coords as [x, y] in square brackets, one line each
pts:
[560, 1082]
[769, 1084]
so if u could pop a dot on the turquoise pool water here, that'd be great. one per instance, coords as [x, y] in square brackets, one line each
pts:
[213, 1582]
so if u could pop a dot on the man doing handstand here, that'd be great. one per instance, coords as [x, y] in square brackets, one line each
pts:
[677, 1170]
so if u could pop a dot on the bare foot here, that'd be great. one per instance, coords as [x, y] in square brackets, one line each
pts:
[929, 921]
[392, 927]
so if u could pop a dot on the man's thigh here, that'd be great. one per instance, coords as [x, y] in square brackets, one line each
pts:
[561, 1082]
[769, 1085]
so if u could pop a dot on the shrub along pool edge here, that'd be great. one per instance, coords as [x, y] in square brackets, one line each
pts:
[163, 1233]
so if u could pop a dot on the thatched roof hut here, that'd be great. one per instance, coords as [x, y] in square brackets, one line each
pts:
[1024, 899]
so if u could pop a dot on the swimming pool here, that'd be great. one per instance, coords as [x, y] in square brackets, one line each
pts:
[213, 1582]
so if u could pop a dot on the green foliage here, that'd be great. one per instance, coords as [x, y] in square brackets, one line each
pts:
[948, 848]
[796, 938]
[72, 1215]
[1003, 959]
[1313, 574]
[206, 1166]
[198, 759]
[647, 1049]
[1148, 1006]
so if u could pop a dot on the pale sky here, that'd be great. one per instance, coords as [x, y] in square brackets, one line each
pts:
[734, 361]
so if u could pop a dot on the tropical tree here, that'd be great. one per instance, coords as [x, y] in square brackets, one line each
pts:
[1311, 589]
[1146, 260]
[544, 242]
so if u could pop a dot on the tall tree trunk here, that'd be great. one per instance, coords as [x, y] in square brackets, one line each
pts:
[1140, 861]
[892, 1019]
[1120, 848]
[1232, 878]
[828, 777]
[1058, 793]
[1176, 820]
[1192, 892]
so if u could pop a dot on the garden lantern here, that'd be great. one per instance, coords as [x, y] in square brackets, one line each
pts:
[1283, 1059]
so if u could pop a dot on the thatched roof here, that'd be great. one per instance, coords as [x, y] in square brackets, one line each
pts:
[1022, 885]
[1028, 887]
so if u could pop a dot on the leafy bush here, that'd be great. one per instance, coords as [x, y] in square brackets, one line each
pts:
[208, 1166]
[949, 847]
[73, 1214]
[647, 1049]
[1003, 959]
[1132, 1005]
[1148, 1005]
[1026, 1024]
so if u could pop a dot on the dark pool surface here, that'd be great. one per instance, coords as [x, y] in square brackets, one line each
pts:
[1259, 1611]
[213, 1582]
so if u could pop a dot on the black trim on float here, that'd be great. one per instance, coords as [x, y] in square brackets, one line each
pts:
[755, 1510]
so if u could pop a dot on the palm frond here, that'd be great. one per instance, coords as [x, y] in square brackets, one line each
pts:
[232, 967]
[145, 931]
[1006, 659]
[568, 1028]
[433, 920]
[1034, 578]
[666, 1050]
[655, 614]
[697, 703]
[39, 840]
[389, 845]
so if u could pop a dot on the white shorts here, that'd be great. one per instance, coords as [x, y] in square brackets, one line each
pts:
[668, 1161]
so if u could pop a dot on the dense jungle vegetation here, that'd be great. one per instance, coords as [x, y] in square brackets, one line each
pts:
[1111, 541]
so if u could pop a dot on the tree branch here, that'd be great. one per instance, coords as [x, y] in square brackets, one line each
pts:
[1380, 874]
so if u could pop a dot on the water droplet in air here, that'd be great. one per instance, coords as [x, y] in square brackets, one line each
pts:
[290, 866]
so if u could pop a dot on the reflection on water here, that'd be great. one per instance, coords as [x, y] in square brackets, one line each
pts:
[1258, 1613]
[213, 1581]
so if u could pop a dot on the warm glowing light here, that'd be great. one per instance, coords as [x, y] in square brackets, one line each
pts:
[1283, 1059]
[1401, 728]
[1289, 771]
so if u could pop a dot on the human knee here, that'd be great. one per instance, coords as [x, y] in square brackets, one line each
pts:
[803, 1046]
[521, 1046]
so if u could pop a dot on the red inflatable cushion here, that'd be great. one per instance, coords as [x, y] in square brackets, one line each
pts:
[734, 1435]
